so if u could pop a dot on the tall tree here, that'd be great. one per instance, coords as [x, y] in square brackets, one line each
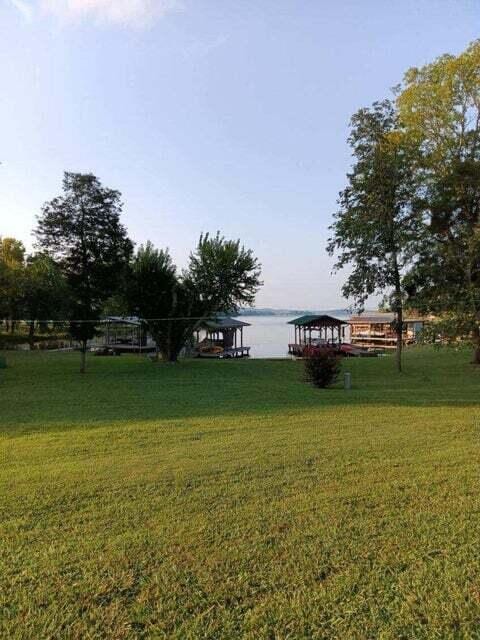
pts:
[150, 291]
[439, 106]
[222, 275]
[81, 231]
[224, 272]
[376, 228]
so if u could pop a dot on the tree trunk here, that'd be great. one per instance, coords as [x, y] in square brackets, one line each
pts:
[83, 356]
[172, 356]
[399, 338]
[399, 311]
[31, 335]
[476, 345]
[169, 354]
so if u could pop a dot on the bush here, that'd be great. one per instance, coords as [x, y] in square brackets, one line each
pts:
[322, 368]
[46, 341]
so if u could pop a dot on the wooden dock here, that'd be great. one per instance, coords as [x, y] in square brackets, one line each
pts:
[232, 352]
[123, 348]
[237, 352]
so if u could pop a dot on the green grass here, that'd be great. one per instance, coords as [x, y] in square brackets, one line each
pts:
[225, 499]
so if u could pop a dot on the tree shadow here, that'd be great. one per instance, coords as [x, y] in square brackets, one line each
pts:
[45, 392]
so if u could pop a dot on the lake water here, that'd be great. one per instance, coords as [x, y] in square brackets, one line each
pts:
[268, 336]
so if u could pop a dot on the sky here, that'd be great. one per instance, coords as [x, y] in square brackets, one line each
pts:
[208, 115]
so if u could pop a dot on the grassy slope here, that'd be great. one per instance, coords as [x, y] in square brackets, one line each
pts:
[228, 499]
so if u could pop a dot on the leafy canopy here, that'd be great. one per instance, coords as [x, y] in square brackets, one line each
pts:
[375, 229]
[439, 106]
[221, 276]
[81, 231]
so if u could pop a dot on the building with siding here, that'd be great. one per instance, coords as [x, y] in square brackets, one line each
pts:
[377, 329]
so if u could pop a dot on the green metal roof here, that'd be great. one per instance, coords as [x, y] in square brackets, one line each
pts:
[224, 322]
[305, 321]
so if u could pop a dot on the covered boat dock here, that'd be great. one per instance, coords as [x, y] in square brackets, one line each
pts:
[121, 334]
[223, 338]
[316, 331]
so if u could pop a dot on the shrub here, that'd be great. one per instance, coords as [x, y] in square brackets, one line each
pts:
[322, 367]
[45, 341]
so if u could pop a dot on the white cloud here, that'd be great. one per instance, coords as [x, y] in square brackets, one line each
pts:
[136, 13]
[24, 8]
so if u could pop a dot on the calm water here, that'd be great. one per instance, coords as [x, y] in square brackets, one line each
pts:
[268, 336]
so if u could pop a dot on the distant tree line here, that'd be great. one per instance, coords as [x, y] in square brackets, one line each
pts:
[86, 265]
[408, 223]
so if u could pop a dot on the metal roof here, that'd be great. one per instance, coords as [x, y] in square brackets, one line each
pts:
[381, 318]
[311, 320]
[123, 320]
[224, 322]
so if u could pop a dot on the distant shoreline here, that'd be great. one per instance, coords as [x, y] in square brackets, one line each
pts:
[291, 312]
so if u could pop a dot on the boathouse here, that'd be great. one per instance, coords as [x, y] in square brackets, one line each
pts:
[316, 331]
[123, 335]
[377, 329]
[221, 337]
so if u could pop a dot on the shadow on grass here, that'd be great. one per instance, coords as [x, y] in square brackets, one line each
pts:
[44, 391]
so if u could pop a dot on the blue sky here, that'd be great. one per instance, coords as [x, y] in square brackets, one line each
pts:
[206, 115]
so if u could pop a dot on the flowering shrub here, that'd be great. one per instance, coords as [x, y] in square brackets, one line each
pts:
[322, 367]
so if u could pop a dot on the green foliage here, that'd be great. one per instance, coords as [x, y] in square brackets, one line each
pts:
[376, 230]
[227, 499]
[221, 275]
[81, 231]
[31, 288]
[446, 277]
[12, 256]
[41, 337]
[409, 219]
[152, 278]
[116, 305]
[12, 252]
[155, 292]
[439, 106]
[322, 367]
[45, 293]
[225, 274]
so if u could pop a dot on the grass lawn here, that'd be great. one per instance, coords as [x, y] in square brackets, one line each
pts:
[223, 499]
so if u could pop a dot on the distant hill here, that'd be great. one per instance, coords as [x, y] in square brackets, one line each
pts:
[267, 311]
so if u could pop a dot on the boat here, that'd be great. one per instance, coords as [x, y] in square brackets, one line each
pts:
[210, 351]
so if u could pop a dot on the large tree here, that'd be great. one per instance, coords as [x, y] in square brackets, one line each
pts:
[439, 106]
[151, 290]
[375, 230]
[81, 231]
[221, 276]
